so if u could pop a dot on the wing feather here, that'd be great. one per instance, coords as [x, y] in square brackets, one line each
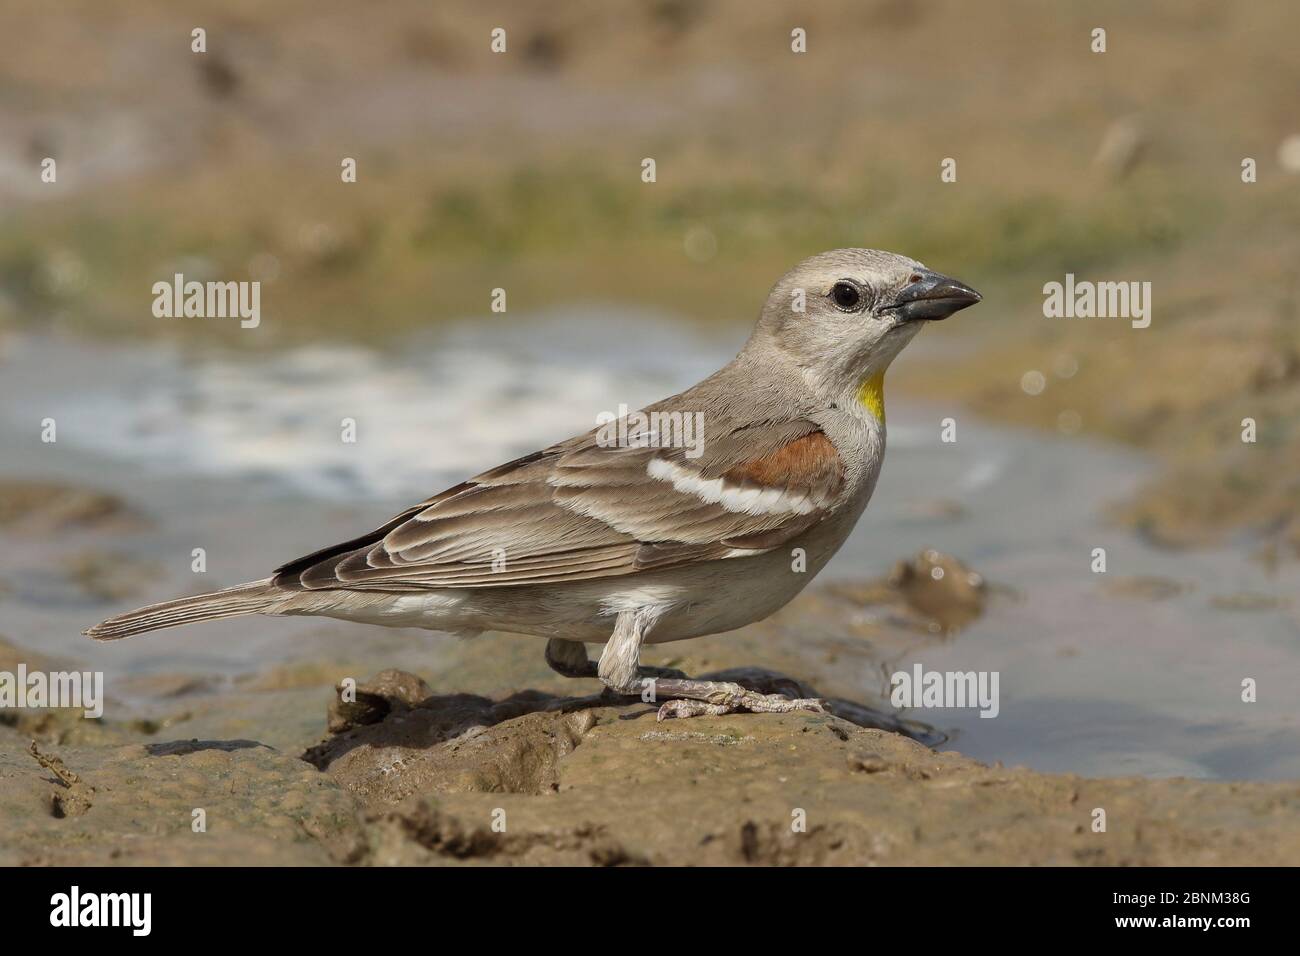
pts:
[581, 510]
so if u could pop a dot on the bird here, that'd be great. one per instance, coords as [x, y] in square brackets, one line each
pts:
[627, 536]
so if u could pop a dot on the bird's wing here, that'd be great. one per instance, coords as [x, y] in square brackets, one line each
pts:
[584, 509]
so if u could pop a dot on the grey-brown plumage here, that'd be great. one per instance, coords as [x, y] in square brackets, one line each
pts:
[632, 542]
[244, 599]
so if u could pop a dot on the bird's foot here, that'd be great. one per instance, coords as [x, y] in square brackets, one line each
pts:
[696, 698]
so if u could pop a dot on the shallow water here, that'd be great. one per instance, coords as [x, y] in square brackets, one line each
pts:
[242, 456]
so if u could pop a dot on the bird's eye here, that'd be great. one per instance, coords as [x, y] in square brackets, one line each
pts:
[846, 295]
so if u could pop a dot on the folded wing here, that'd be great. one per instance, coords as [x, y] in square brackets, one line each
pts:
[583, 509]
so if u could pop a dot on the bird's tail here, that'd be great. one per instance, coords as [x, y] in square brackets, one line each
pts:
[242, 599]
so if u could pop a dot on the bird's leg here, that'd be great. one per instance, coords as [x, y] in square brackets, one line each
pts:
[620, 671]
[569, 658]
[620, 661]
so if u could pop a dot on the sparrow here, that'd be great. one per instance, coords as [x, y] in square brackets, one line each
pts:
[631, 535]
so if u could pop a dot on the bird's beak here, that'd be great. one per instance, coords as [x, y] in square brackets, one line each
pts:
[932, 296]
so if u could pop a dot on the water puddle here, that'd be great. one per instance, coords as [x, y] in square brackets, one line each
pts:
[1137, 671]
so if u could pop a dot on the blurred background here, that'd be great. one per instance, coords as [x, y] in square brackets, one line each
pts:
[522, 171]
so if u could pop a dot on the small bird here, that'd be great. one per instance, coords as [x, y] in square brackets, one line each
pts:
[627, 535]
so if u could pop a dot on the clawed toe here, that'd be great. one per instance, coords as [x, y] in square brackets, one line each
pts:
[691, 708]
[750, 701]
[778, 704]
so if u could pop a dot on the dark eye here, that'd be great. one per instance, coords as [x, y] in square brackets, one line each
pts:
[846, 295]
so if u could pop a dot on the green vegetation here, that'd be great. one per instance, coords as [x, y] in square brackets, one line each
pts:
[380, 259]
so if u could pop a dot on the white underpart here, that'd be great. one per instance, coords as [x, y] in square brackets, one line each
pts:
[655, 599]
[752, 501]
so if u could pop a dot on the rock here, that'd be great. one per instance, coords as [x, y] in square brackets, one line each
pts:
[934, 592]
[387, 692]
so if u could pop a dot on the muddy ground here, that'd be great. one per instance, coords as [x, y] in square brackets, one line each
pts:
[276, 769]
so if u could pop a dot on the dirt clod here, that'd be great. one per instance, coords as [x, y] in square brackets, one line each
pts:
[73, 797]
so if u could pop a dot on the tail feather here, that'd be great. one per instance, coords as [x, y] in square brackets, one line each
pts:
[243, 599]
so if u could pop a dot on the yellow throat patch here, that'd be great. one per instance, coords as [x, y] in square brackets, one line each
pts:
[871, 394]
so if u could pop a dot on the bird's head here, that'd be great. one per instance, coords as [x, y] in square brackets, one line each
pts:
[843, 316]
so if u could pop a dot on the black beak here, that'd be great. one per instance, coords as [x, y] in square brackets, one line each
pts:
[932, 296]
